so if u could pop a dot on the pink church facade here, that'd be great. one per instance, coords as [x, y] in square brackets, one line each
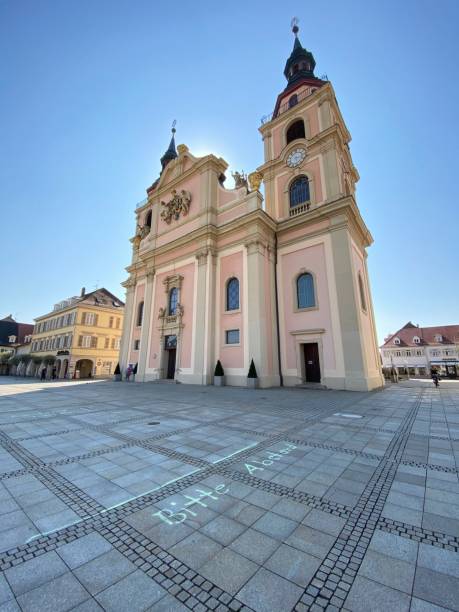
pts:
[230, 275]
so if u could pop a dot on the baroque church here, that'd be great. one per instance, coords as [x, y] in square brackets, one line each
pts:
[230, 275]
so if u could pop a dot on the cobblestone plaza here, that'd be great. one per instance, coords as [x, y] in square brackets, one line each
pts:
[118, 496]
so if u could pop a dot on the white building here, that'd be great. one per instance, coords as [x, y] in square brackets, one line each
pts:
[415, 351]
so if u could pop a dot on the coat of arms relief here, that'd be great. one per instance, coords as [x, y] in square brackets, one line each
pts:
[178, 205]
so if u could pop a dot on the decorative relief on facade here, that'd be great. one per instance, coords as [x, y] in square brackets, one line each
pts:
[178, 205]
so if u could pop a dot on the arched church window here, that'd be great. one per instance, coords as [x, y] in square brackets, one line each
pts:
[296, 130]
[292, 101]
[148, 220]
[299, 191]
[232, 294]
[305, 291]
[139, 314]
[363, 302]
[173, 300]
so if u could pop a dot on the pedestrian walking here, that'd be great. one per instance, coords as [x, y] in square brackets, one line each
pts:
[134, 372]
[128, 372]
[43, 374]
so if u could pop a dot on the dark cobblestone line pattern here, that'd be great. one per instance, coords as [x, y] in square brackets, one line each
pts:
[76, 499]
[431, 466]
[335, 576]
[185, 584]
[418, 534]
[313, 501]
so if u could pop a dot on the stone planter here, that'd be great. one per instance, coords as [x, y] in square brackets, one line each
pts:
[219, 381]
[252, 383]
[117, 377]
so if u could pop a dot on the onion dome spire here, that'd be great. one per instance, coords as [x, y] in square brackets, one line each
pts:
[171, 153]
[301, 62]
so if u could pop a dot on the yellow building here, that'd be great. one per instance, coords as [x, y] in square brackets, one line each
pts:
[79, 338]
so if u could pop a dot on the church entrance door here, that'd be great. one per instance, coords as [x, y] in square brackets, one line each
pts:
[171, 363]
[312, 364]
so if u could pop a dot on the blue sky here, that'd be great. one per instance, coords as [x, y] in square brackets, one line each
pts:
[89, 89]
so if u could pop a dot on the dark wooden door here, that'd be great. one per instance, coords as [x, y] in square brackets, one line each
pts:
[171, 364]
[312, 364]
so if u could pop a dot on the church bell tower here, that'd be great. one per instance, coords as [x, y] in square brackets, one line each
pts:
[309, 180]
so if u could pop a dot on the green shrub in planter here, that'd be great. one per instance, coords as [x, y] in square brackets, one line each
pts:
[219, 375]
[117, 373]
[252, 376]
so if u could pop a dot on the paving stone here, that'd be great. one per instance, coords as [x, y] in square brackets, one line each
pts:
[388, 571]
[275, 526]
[5, 591]
[255, 546]
[134, 592]
[367, 595]
[394, 546]
[268, 592]
[229, 570]
[420, 605]
[195, 550]
[311, 541]
[83, 550]
[223, 530]
[103, 571]
[324, 522]
[62, 593]
[168, 604]
[293, 564]
[437, 588]
[439, 560]
[35, 572]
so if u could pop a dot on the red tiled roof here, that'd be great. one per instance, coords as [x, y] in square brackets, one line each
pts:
[449, 334]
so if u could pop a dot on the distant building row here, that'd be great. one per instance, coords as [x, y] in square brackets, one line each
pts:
[79, 338]
[416, 351]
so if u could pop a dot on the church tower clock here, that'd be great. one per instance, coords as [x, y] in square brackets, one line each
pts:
[326, 322]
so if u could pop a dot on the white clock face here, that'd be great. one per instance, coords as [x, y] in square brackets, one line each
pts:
[296, 157]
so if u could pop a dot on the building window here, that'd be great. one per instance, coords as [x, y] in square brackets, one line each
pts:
[293, 101]
[299, 191]
[416, 339]
[438, 338]
[117, 343]
[110, 321]
[408, 353]
[398, 353]
[363, 301]
[93, 341]
[232, 336]
[84, 341]
[113, 343]
[418, 353]
[232, 294]
[305, 291]
[89, 318]
[136, 345]
[295, 131]
[139, 314]
[107, 343]
[148, 220]
[396, 340]
[118, 322]
[173, 300]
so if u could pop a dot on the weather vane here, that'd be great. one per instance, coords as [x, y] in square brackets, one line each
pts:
[174, 123]
[294, 25]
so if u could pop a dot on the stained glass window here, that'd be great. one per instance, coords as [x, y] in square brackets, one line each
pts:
[232, 294]
[299, 191]
[305, 291]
